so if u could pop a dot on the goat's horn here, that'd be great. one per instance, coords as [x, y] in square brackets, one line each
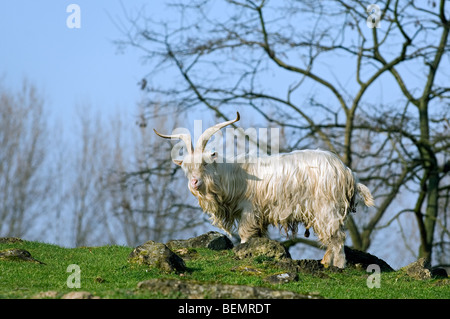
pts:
[206, 135]
[186, 138]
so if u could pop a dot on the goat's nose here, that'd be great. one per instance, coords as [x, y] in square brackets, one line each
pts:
[194, 182]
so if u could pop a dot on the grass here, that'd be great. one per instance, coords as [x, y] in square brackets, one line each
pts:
[105, 272]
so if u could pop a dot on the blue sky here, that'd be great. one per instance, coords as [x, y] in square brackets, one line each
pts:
[71, 66]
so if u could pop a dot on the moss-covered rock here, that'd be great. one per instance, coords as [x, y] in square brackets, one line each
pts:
[363, 259]
[157, 255]
[194, 290]
[50, 294]
[10, 240]
[212, 240]
[79, 295]
[265, 247]
[17, 254]
[419, 269]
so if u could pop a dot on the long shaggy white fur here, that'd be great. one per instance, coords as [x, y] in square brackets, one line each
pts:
[312, 187]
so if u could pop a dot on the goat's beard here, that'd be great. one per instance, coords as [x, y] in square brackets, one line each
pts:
[211, 198]
[196, 192]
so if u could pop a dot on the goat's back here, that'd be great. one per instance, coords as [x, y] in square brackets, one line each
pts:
[298, 186]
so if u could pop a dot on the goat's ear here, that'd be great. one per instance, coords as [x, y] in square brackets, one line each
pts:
[214, 156]
[178, 162]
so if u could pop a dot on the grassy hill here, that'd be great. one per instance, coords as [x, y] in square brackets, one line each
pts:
[106, 273]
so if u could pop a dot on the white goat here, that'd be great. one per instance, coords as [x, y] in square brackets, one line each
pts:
[312, 187]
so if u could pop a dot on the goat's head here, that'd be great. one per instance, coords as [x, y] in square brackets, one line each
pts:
[197, 164]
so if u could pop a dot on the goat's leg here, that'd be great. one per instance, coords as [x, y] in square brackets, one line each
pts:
[338, 240]
[331, 233]
[339, 255]
[327, 258]
[335, 254]
[249, 226]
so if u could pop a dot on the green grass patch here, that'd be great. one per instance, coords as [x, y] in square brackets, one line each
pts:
[105, 272]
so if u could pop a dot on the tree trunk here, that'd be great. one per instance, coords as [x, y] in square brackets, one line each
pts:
[431, 214]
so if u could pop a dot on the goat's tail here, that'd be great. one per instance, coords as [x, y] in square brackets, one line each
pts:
[365, 193]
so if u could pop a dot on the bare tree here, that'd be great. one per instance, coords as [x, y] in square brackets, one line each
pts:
[86, 195]
[25, 178]
[117, 186]
[366, 82]
[150, 200]
[106, 181]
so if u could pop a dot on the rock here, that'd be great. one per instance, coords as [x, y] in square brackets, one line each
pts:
[356, 258]
[306, 266]
[10, 240]
[363, 260]
[17, 254]
[217, 291]
[212, 240]
[46, 294]
[419, 269]
[440, 271]
[315, 267]
[276, 252]
[79, 295]
[186, 253]
[157, 255]
[309, 266]
[282, 278]
[263, 247]
[444, 267]
[285, 264]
